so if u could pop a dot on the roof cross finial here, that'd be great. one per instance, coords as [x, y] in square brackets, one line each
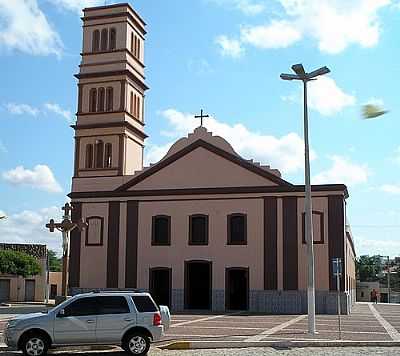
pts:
[201, 117]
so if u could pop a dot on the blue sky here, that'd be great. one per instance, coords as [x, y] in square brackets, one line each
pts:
[224, 56]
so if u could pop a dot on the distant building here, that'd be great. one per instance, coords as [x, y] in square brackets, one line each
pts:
[364, 290]
[203, 228]
[30, 289]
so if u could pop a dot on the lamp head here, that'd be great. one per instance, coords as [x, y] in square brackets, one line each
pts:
[299, 70]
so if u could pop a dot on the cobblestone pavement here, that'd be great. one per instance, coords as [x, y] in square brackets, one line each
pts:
[362, 324]
[378, 322]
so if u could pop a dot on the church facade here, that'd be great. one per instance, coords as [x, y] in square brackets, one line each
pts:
[203, 228]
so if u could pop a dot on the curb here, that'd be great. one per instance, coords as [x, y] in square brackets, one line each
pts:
[193, 345]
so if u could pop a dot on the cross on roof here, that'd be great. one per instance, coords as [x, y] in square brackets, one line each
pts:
[67, 209]
[201, 116]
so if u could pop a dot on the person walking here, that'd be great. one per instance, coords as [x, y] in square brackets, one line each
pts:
[374, 296]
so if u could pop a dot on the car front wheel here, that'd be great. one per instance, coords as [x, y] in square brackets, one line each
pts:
[35, 345]
[137, 344]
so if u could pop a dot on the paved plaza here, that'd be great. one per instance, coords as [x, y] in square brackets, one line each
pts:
[368, 322]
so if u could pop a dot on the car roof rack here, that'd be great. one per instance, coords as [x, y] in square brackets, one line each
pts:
[133, 290]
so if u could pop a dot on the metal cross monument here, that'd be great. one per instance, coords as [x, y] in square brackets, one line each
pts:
[201, 117]
[66, 226]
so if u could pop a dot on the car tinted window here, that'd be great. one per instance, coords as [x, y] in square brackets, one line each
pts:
[112, 305]
[81, 307]
[144, 304]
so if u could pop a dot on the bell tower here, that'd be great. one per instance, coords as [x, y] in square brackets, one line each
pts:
[109, 131]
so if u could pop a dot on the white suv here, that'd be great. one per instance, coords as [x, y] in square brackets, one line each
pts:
[129, 319]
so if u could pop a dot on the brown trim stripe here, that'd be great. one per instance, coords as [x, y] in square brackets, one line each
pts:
[336, 189]
[290, 244]
[270, 243]
[113, 244]
[125, 124]
[75, 248]
[132, 222]
[336, 236]
[125, 72]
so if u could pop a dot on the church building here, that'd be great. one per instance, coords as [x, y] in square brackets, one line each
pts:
[203, 228]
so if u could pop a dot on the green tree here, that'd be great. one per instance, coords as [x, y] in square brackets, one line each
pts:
[55, 263]
[369, 268]
[18, 263]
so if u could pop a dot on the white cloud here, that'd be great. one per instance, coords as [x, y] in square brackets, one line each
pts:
[342, 171]
[327, 98]
[324, 96]
[229, 47]
[247, 7]
[24, 27]
[41, 177]
[384, 247]
[77, 5]
[391, 188]
[55, 108]
[333, 24]
[21, 109]
[277, 34]
[29, 227]
[48, 108]
[285, 153]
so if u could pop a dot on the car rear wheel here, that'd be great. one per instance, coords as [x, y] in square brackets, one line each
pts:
[35, 345]
[137, 344]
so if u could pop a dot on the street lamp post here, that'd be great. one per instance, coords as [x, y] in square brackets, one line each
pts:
[388, 275]
[305, 78]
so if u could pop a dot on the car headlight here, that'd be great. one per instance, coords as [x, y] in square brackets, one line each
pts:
[12, 324]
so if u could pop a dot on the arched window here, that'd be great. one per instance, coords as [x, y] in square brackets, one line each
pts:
[161, 230]
[93, 100]
[99, 153]
[96, 41]
[198, 229]
[89, 156]
[137, 107]
[110, 99]
[113, 39]
[104, 39]
[237, 229]
[100, 106]
[108, 155]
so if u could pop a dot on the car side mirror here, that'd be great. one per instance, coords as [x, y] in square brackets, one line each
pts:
[61, 313]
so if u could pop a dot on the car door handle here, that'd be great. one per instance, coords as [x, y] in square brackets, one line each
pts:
[90, 321]
[128, 319]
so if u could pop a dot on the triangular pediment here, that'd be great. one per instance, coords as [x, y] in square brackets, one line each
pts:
[200, 164]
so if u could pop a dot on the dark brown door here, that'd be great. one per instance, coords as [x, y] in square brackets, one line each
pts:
[160, 285]
[198, 282]
[4, 290]
[53, 291]
[29, 290]
[237, 289]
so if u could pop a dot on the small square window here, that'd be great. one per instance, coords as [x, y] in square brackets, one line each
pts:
[318, 229]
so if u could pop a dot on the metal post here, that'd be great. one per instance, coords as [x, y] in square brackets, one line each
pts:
[388, 278]
[338, 261]
[309, 224]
